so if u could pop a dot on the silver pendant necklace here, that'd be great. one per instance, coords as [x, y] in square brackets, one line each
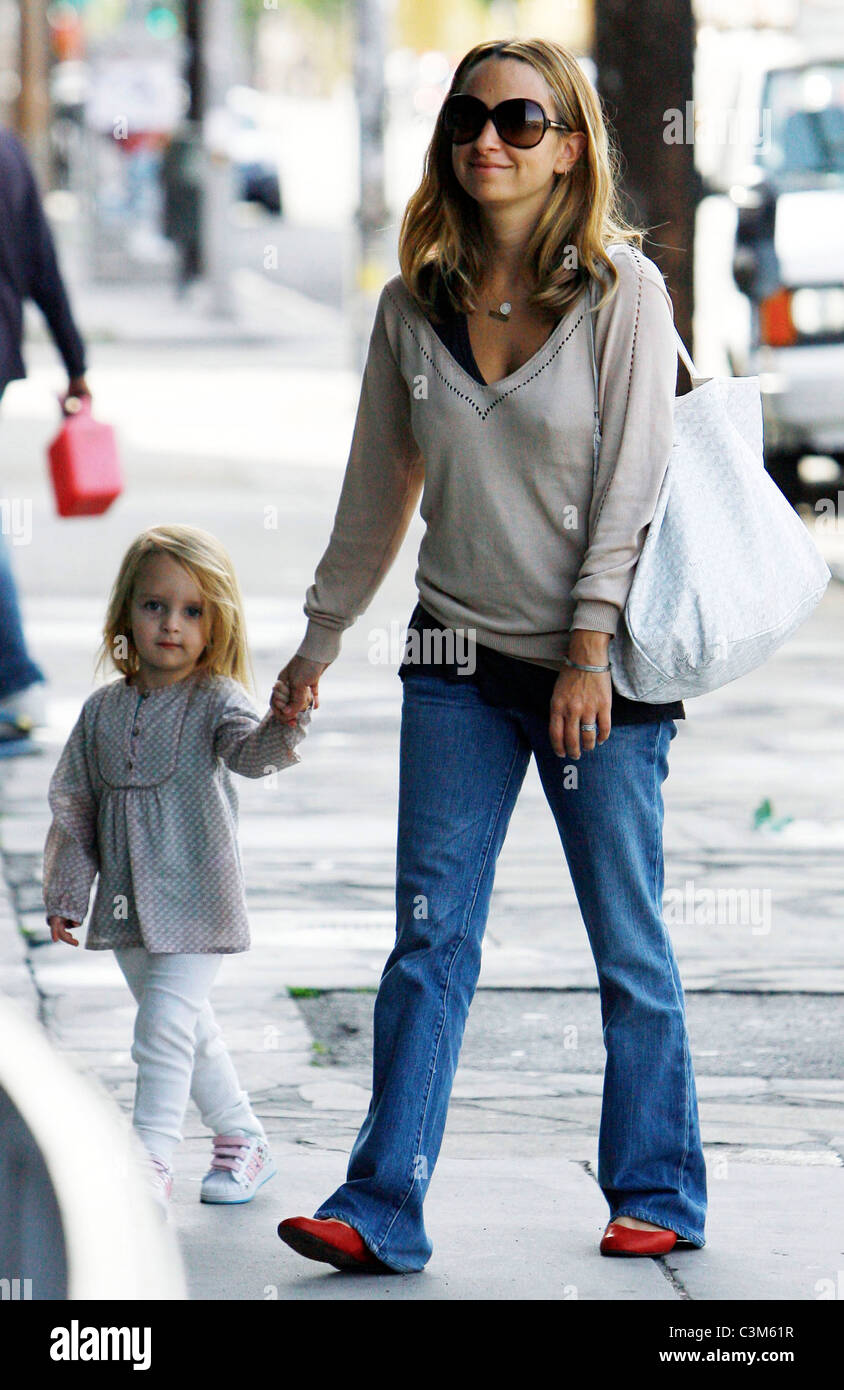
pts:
[502, 313]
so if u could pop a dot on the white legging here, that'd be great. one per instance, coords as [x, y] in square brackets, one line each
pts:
[179, 1050]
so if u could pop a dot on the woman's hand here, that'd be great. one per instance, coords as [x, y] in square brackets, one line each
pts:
[292, 691]
[60, 929]
[582, 697]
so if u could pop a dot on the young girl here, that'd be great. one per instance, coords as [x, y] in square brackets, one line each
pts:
[142, 796]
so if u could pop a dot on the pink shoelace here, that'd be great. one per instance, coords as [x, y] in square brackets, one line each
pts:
[162, 1170]
[230, 1154]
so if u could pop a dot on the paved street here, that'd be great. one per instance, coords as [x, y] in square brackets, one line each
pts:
[248, 438]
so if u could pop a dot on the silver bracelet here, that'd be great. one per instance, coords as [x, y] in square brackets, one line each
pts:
[578, 667]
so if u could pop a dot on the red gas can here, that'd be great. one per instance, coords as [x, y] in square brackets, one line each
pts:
[84, 465]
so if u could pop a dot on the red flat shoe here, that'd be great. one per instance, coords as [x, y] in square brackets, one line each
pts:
[628, 1240]
[329, 1241]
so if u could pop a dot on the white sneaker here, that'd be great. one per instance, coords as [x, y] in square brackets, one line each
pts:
[160, 1182]
[241, 1164]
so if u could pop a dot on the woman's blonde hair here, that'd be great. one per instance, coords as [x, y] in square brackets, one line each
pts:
[441, 226]
[207, 562]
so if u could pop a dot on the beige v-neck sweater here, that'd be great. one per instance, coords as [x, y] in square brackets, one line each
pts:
[504, 472]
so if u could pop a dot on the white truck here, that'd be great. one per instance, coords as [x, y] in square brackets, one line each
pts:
[778, 181]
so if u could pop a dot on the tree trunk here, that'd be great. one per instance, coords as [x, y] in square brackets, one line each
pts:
[645, 60]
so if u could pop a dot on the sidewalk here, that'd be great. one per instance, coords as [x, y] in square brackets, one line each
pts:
[514, 1209]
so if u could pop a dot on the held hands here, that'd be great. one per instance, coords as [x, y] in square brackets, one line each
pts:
[582, 697]
[296, 689]
[60, 929]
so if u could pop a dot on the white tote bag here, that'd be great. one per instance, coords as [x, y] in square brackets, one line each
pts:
[727, 570]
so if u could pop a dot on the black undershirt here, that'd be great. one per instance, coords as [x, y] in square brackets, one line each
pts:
[507, 681]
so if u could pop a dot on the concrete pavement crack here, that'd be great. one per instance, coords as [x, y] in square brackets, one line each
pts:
[659, 1260]
[673, 1278]
[40, 995]
[43, 1014]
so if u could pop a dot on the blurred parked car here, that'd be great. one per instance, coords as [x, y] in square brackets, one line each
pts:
[244, 131]
[784, 176]
[76, 1218]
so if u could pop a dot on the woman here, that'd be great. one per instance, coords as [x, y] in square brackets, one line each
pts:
[478, 394]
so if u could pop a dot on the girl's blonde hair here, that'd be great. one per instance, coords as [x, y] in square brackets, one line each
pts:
[207, 562]
[441, 226]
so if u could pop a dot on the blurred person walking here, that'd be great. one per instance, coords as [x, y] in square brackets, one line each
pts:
[181, 179]
[28, 270]
[478, 396]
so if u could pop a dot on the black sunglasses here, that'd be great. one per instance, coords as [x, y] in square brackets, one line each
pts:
[519, 121]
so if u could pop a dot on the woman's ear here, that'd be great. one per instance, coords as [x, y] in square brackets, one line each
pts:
[570, 152]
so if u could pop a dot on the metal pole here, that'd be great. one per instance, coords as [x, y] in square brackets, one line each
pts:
[195, 72]
[219, 37]
[372, 214]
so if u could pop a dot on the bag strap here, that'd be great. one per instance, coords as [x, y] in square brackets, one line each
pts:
[596, 432]
[685, 357]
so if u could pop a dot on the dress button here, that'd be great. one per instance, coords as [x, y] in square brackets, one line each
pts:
[130, 764]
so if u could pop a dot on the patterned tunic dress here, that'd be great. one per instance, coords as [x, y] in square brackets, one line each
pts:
[142, 795]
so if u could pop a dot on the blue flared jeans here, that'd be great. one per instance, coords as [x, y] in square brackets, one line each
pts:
[462, 764]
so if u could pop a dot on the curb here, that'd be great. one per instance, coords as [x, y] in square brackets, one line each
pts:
[16, 980]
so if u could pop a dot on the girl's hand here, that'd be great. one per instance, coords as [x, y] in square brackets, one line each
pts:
[296, 684]
[279, 696]
[280, 701]
[60, 929]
